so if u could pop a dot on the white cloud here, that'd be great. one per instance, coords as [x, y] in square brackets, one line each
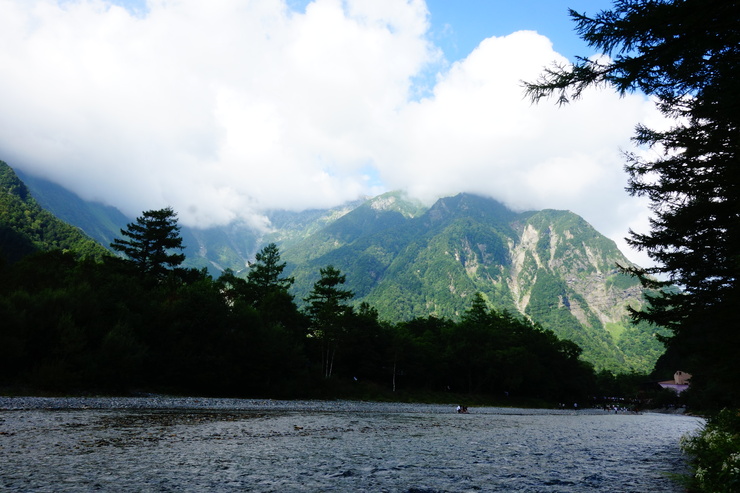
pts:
[222, 109]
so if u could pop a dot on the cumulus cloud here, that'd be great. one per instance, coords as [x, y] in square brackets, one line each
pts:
[224, 109]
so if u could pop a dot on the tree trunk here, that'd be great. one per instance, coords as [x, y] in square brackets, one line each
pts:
[394, 375]
[331, 362]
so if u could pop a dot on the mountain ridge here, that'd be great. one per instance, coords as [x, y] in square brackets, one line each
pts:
[410, 260]
[550, 266]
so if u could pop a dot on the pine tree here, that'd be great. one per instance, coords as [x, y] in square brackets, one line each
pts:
[265, 273]
[328, 312]
[684, 54]
[267, 290]
[152, 237]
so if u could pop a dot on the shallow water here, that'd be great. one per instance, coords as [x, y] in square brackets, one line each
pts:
[197, 445]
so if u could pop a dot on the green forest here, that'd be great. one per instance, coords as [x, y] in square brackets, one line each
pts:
[76, 324]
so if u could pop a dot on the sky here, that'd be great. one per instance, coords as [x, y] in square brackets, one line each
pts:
[228, 108]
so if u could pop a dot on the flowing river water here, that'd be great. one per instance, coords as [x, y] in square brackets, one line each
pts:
[170, 444]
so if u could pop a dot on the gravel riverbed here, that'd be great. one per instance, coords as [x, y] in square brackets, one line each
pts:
[161, 443]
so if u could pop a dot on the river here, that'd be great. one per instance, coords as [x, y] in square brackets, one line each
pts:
[170, 444]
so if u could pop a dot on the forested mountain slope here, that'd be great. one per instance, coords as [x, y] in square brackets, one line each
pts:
[550, 266]
[25, 227]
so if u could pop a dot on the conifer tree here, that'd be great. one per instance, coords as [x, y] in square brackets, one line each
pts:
[151, 239]
[328, 311]
[684, 54]
[267, 290]
[265, 274]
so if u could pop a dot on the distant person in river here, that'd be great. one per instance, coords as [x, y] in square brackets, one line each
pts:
[462, 409]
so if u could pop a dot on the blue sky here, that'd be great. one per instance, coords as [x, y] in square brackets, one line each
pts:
[459, 25]
[471, 21]
[225, 108]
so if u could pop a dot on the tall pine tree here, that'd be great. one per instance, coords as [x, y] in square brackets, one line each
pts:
[328, 311]
[151, 240]
[265, 275]
[268, 290]
[686, 55]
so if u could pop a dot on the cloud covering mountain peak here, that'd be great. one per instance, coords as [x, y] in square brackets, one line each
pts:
[225, 109]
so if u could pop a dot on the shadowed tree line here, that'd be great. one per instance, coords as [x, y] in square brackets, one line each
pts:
[142, 323]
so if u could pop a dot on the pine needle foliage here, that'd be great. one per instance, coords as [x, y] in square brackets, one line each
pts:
[151, 240]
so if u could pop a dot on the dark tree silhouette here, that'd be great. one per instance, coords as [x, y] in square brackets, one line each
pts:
[685, 54]
[329, 312]
[265, 274]
[151, 239]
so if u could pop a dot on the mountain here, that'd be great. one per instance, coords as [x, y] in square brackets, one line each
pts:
[408, 260]
[550, 266]
[100, 222]
[25, 227]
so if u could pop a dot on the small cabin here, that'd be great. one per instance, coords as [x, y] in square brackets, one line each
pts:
[679, 383]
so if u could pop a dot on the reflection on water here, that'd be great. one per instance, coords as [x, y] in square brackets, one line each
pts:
[349, 448]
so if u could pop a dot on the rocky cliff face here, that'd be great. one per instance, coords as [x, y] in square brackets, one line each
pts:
[568, 248]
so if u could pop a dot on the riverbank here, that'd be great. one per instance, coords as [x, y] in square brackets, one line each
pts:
[164, 403]
[195, 444]
[335, 391]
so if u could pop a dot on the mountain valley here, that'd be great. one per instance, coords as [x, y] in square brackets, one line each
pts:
[408, 260]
